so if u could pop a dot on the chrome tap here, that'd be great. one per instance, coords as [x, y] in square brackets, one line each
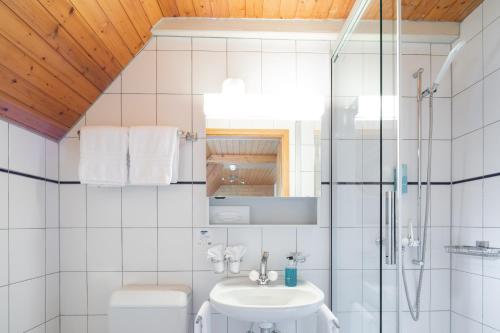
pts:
[263, 278]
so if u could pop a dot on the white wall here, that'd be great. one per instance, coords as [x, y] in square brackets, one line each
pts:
[112, 237]
[476, 164]
[29, 234]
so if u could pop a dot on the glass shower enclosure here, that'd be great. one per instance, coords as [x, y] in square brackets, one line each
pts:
[365, 189]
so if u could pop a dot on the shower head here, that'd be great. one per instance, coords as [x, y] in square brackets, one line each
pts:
[447, 63]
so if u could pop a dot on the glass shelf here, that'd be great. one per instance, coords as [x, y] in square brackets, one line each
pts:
[481, 249]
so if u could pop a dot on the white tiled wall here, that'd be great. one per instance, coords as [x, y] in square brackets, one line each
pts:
[475, 214]
[29, 232]
[114, 237]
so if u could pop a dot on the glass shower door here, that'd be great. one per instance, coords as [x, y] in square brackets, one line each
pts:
[364, 150]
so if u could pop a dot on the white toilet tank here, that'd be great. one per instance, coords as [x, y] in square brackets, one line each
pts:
[150, 309]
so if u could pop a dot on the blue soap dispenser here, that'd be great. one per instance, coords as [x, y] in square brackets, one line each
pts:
[291, 272]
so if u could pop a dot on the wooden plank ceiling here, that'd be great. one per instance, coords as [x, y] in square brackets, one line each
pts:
[58, 56]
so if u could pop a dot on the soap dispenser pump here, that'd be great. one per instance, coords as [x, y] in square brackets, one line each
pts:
[291, 268]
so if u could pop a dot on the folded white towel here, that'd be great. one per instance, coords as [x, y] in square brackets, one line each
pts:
[327, 322]
[103, 155]
[154, 155]
[203, 320]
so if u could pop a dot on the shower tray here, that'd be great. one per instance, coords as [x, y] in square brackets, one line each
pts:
[481, 249]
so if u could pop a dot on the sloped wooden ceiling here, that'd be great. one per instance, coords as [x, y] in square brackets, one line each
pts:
[57, 56]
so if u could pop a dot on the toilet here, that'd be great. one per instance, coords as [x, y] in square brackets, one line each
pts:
[150, 309]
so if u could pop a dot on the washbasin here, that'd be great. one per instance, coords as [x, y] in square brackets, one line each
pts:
[242, 299]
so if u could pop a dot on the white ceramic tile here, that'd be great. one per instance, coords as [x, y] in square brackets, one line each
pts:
[139, 206]
[203, 282]
[324, 207]
[140, 278]
[444, 89]
[51, 160]
[415, 48]
[441, 160]
[115, 87]
[104, 250]
[491, 10]
[103, 207]
[440, 237]
[467, 106]
[209, 71]
[313, 73]
[440, 321]
[26, 202]
[138, 109]
[314, 242]
[491, 148]
[440, 49]
[4, 309]
[185, 161]
[97, 324]
[409, 65]
[491, 98]
[371, 290]
[26, 151]
[199, 121]
[278, 45]
[487, 329]
[248, 67]
[349, 154]
[106, 111]
[173, 43]
[313, 46]
[174, 72]
[279, 73]
[4, 144]
[491, 43]
[73, 132]
[73, 249]
[349, 71]
[349, 250]
[26, 305]
[51, 205]
[209, 44]
[440, 289]
[73, 293]
[467, 67]
[370, 85]
[174, 110]
[408, 325]
[175, 249]
[201, 244]
[244, 45]
[491, 207]
[468, 156]
[175, 206]
[26, 254]
[200, 206]
[349, 286]
[466, 299]
[52, 296]
[252, 239]
[461, 324]
[74, 324]
[4, 200]
[279, 242]
[139, 75]
[185, 278]
[4, 257]
[467, 204]
[51, 251]
[441, 119]
[491, 288]
[140, 249]
[101, 285]
[69, 157]
[472, 24]
[73, 203]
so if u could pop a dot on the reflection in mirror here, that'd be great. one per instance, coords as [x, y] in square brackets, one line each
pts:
[261, 144]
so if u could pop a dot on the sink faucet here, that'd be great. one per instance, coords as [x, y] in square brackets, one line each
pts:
[263, 278]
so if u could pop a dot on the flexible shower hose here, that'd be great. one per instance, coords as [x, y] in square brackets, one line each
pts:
[415, 309]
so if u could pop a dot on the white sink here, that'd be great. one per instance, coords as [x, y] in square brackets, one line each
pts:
[243, 299]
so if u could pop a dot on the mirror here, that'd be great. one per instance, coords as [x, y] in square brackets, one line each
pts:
[263, 158]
